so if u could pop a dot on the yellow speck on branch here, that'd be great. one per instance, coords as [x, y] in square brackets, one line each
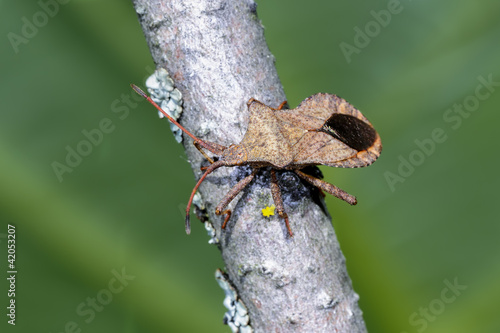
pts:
[268, 211]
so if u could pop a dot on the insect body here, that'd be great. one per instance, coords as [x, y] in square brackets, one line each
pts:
[323, 129]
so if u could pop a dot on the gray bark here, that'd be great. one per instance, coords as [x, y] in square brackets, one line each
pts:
[217, 55]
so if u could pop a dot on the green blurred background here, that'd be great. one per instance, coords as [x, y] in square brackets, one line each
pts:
[120, 209]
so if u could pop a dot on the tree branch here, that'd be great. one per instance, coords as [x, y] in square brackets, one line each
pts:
[216, 53]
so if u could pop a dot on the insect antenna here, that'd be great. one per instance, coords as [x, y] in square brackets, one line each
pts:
[172, 120]
[211, 146]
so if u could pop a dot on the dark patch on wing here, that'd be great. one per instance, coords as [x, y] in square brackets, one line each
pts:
[350, 130]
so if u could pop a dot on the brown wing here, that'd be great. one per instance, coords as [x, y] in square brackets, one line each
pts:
[263, 141]
[325, 129]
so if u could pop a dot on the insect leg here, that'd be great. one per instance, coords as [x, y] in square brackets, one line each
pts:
[282, 105]
[219, 210]
[211, 168]
[211, 146]
[275, 190]
[197, 145]
[329, 188]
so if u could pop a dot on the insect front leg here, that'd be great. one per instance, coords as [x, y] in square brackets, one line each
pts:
[329, 188]
[275, 191]
[210, 169]
[219, 210]
[211, 146]
[197, 145]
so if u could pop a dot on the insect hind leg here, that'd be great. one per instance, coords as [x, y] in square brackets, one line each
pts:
[329, 188]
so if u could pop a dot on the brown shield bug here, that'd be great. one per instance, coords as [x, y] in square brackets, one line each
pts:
[324, 129]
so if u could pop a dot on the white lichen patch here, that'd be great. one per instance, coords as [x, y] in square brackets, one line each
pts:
[198, 201]
[211, 233]
[200, 205]
[237, 315]
[141, 10]
[161, 87]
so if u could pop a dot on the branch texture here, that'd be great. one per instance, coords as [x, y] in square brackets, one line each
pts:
[216, 53]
